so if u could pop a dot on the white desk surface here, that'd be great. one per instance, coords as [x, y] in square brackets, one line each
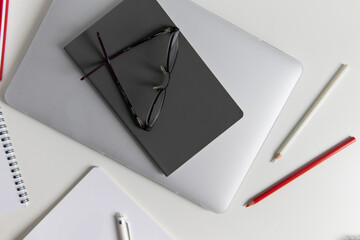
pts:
[322, 204]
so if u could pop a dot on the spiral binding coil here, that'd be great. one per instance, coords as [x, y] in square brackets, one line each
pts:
[13, 164]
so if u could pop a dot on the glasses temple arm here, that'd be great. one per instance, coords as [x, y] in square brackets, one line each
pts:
[166, 30]
[117, 82]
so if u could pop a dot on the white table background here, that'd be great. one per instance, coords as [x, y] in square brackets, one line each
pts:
[322, 204]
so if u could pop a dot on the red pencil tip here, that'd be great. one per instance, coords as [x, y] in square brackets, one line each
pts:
[250, 204]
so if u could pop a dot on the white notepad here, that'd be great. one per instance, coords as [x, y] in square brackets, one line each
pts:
[12, 190]
[88, 212]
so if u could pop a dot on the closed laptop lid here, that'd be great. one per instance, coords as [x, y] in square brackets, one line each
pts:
[249, 69]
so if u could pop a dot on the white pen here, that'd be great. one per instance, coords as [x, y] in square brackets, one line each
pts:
[123, 227]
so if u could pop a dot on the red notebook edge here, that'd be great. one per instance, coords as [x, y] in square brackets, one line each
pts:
[4, 10]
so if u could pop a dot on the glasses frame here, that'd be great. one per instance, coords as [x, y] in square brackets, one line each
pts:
[173, 45]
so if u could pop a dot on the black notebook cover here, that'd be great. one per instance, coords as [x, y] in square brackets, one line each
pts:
[197, 108]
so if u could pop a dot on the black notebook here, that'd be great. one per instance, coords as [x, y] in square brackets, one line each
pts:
[197, 108]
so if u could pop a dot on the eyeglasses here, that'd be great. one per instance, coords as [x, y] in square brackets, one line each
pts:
[158, 101]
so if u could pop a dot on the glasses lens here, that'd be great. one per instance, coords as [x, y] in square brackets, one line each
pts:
[173, 50]
[156, 107]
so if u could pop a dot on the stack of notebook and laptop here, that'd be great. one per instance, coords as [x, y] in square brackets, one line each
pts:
[212, 83]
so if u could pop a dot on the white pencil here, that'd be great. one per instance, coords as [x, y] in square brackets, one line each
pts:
[308, 114]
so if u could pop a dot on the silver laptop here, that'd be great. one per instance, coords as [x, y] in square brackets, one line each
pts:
[46, 86]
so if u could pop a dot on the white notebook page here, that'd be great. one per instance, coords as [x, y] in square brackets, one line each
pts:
[88, 212]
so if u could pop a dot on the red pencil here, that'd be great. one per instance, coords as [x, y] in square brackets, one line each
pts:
[303, 170]
[4, 7]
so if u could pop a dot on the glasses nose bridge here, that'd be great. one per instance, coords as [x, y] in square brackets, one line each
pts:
[166, 80]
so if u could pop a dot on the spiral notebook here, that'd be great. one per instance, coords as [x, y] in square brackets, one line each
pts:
[12, 189]
[88, 212]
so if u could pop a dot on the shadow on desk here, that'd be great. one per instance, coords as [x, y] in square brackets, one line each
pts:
[351, 237]
[39, 219]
